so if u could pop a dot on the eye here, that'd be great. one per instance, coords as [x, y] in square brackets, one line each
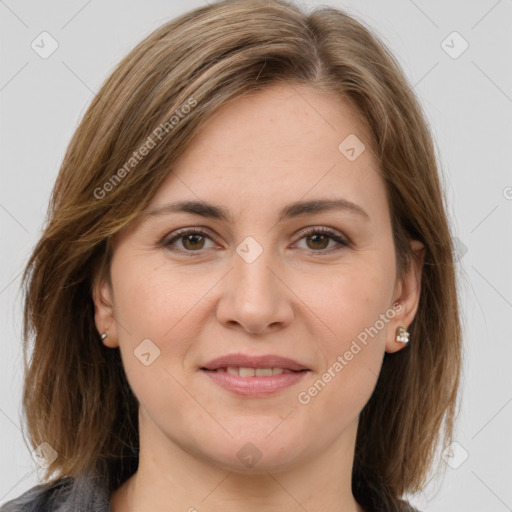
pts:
[319, 239]
[193, 240]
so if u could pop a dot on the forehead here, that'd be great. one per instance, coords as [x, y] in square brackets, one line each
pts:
[283, 123]
[274, 147]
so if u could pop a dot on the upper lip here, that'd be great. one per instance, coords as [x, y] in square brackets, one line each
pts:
[247, 361]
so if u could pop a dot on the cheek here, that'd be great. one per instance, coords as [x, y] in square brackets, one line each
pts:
[352, 356]
[151, 307]
[147, 307]
[357, 298]
[356, 316]
[149, 301]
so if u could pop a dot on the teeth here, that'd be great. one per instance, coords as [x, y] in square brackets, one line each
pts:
[252, 372]
[263, 372]
[246, 372]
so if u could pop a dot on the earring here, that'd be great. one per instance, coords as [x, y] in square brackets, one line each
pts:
[402, 335]
[103, 336]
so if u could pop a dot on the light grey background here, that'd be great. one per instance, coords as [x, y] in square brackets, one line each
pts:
[468, 102]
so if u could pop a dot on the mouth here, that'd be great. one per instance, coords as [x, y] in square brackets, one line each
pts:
[245, 364]
[254, 382]
[254, 375]
[253, 372]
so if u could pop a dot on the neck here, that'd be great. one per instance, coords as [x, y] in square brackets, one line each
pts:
[173, 479]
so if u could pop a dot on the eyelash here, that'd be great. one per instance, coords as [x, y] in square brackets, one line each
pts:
[342, 243]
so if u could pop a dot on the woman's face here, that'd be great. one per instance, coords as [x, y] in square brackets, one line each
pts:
[256, 283]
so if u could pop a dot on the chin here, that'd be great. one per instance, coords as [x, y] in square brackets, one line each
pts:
[258, 453]
[250, 460]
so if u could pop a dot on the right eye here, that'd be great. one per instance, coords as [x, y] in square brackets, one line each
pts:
[192, 240]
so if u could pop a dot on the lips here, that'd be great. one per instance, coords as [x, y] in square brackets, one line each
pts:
[256, 362]
[254, 376]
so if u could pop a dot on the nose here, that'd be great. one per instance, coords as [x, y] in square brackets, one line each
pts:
[255, 295]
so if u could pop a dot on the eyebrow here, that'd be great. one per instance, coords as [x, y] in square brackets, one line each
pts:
[296, 209]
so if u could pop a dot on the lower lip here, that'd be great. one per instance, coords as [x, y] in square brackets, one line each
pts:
[255, 386]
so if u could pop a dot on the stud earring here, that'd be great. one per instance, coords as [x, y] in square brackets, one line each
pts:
[402, 335]
[103, 336]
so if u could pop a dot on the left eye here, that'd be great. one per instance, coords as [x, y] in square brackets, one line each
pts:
[193, 240]
[320, 236]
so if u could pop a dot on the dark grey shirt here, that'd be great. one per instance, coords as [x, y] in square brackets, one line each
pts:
[84, 494]
[80, 494]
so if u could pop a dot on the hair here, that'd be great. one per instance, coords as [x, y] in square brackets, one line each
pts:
[76, 396]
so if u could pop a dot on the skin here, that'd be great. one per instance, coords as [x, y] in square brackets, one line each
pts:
[301, 298]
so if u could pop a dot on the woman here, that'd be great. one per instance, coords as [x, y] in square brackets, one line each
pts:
[244, 298]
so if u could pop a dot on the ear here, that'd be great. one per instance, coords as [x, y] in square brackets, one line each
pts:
[406, 296]
[104, 319]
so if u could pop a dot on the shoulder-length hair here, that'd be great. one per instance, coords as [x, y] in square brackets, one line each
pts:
[76, 396]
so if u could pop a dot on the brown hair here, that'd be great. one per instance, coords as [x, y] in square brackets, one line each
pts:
[76, 396]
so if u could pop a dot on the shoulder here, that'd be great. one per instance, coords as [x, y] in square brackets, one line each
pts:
[63, 495]
[37, 498]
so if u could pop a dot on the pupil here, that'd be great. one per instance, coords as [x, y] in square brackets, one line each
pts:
[191, 239]
[319, 236]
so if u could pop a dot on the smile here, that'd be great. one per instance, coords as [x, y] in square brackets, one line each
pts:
[254, 382]
[253, 372]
